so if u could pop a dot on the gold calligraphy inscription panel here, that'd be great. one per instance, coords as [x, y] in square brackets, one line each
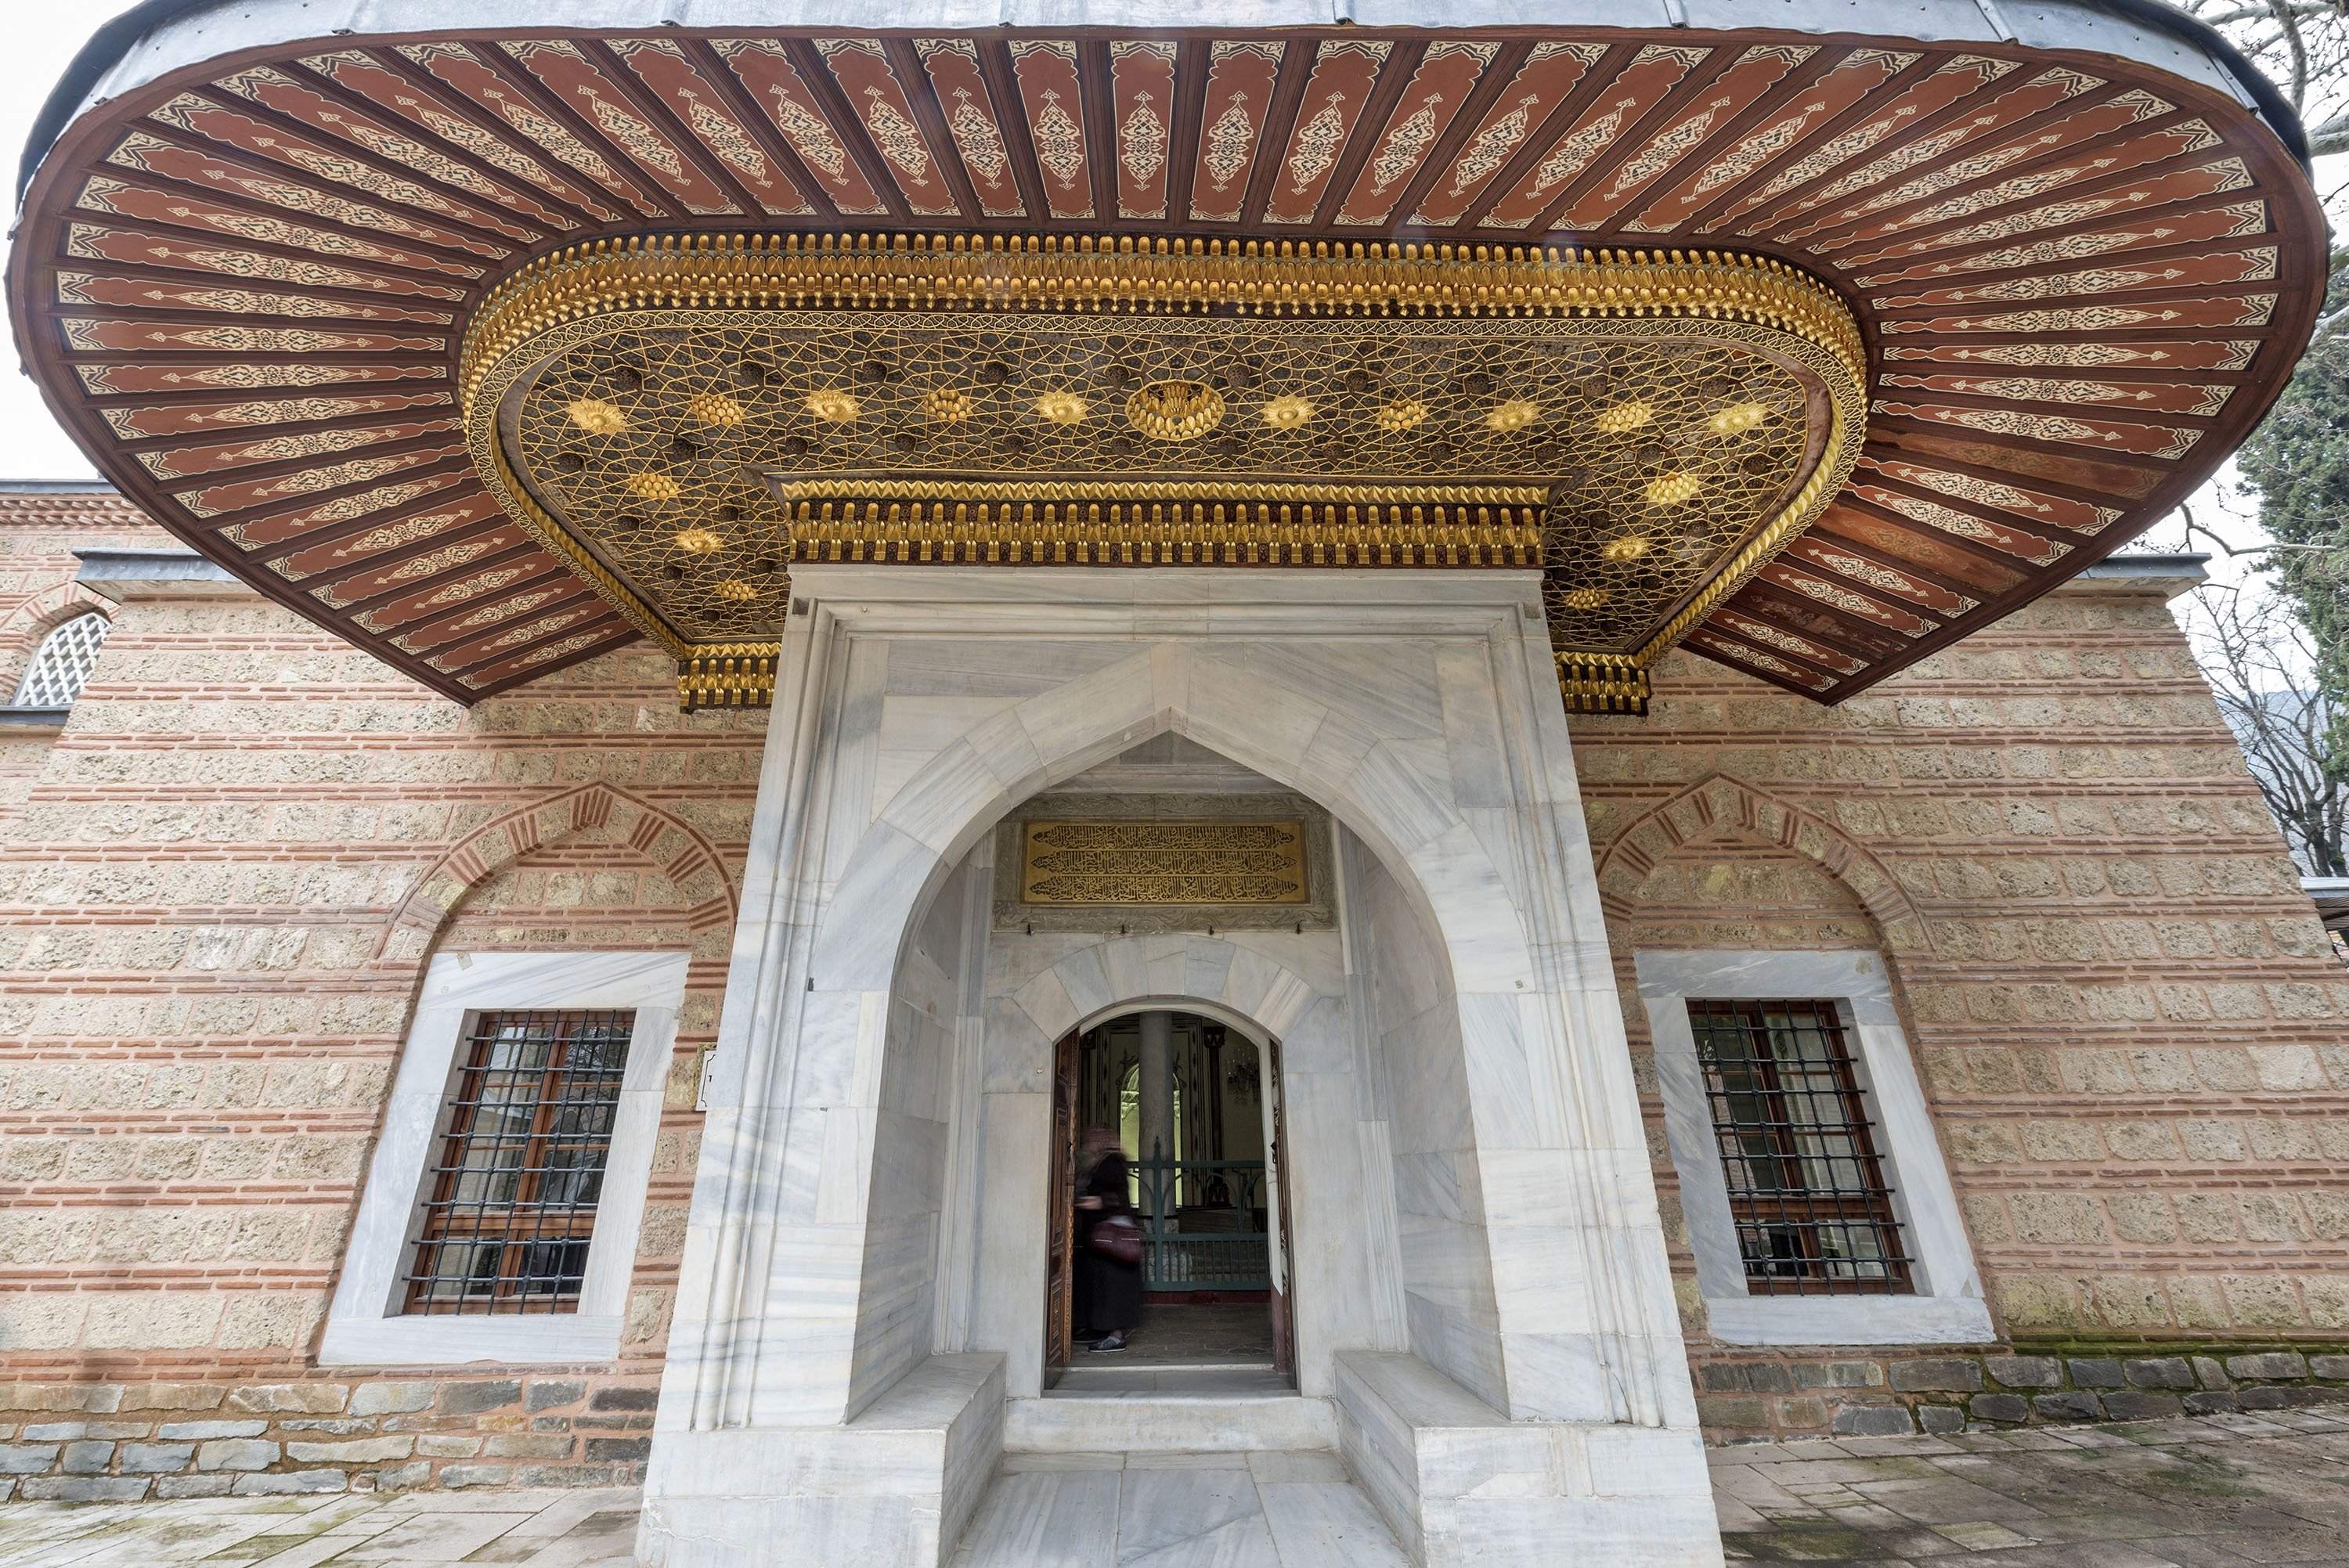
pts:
[1066, 863]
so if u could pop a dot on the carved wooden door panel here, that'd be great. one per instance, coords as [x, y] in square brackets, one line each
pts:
[1059, 1222]
[1284, 1279]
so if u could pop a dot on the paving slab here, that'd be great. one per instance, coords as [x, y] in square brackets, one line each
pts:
[2209, 1492]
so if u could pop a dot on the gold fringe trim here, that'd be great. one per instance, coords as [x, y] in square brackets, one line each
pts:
[728, 675]
[1602, 683]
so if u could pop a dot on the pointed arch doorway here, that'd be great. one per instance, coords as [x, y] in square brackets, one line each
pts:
[1194, 1106]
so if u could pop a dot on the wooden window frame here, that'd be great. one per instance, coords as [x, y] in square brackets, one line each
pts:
[526, 1220]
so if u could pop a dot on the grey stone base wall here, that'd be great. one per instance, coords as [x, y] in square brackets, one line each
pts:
[1795, 1394]
[119, 1442]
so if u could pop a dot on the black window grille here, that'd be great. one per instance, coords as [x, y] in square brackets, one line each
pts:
[1807, 1191]
[511, 1205]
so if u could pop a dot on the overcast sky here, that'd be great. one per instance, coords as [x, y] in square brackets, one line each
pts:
[41, 41]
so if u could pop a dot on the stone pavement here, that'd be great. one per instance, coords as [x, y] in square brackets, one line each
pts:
[588, 1528]
[2209, 1491]
[2212, 1492]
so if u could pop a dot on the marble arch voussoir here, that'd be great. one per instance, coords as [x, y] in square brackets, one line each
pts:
[934, 817]
[1120, 973]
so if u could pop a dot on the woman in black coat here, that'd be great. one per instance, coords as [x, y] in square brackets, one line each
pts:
[1108, 1305]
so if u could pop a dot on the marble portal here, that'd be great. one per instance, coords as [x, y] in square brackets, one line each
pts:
[1486, 1328]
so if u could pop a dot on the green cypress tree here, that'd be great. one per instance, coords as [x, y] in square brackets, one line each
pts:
[2298, 461]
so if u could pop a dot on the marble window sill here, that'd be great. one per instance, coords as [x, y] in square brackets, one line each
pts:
[447, 1341]
[1848, 1320]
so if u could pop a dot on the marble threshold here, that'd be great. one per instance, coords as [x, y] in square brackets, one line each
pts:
[1176, 1509]
[1098, 1382]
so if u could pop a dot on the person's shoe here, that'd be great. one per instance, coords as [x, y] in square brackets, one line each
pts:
[1110, 1346]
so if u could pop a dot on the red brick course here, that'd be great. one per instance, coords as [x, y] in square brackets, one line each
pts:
[219, 886]
[2129, 1024]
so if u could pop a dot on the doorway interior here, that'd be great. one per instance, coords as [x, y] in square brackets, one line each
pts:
[1194, 1104]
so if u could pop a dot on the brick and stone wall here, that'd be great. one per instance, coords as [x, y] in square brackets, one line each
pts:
[219, 886]
[220, 881]
[39, 532]
[2133, 1034]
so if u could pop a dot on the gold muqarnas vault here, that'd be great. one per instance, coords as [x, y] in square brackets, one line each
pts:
[687, 419]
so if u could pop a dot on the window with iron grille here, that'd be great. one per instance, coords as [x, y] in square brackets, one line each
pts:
[1807, 1191]
[62, 667]
[510, 1207]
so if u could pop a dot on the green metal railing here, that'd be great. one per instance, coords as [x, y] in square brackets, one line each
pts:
[1203, 1223]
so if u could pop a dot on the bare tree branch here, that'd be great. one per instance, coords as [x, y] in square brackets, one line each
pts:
[2257, 658]
[2301, 45]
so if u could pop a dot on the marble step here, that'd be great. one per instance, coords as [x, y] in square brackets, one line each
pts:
[1168, 1423]
[1259, 1509]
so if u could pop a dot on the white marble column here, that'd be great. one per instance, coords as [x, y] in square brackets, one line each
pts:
[913, 709]
[1156, 1082]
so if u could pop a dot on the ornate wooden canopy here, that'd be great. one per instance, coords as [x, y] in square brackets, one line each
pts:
[2074, 281]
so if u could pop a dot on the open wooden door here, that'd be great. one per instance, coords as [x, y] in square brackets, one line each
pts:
[1284, 1304]
[1061, 1221]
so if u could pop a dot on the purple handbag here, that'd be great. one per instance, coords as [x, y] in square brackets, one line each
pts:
[1118, 1239]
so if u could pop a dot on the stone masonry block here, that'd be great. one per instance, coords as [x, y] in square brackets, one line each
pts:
[171, 1486]
[1941, 1418]
[2164, 1372]
[2134, 1406]
[291, 1484]
[2332, 1367]
[547, 1393]
[2209, 1374]
[96, 1399]
[83, 1488]
[156, 1459]
[173, 1396]
[2266, 1365]
[2211, 1402]
[26, 1458]
[312, 1399]
[200, 1431]
[89, 1457]
[1873, 1421]
[574, 1475]
[458, 1477]
[1999, 1408]
[392, 1398]
[2072, 1405]
[236, 1454]
[2025, 1371]
[612, 1449]
[527, 1446]
[624, 1400]
[472, 1399]
[1946, 1375]
[1838, 1375]
[434, 1446]
[68, 1431]
[2095, 1372]
[356, 1451]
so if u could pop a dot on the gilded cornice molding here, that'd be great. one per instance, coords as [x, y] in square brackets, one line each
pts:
[1602, 484]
